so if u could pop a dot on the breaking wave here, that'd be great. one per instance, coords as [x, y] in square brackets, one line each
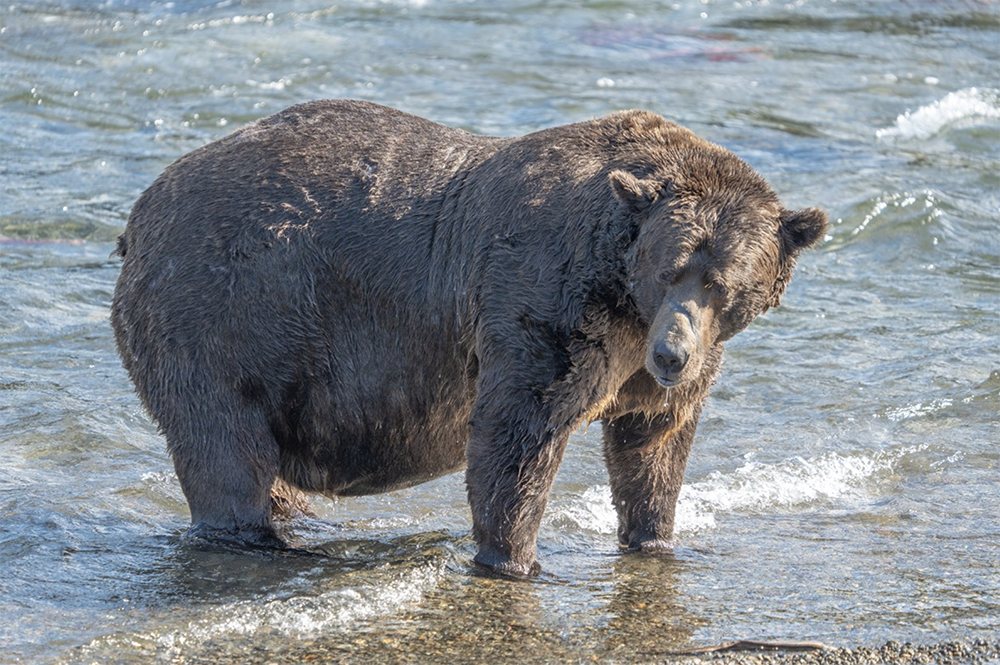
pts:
[928, 120]
[298, 617]
[754, 487]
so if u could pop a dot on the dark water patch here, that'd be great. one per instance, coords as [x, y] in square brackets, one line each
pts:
[966, 16]
[775, 120]
[667, 42]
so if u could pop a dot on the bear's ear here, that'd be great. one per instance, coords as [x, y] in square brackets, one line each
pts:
[801, 229]
[637, 194]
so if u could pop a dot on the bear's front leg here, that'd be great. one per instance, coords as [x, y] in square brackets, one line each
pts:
[513, 456]
[646, 457]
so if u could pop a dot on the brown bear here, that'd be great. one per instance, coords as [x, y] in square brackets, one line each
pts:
[346, 299]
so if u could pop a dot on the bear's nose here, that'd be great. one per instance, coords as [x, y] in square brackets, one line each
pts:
[669, 359]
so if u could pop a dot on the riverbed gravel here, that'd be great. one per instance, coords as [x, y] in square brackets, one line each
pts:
[472, 648]
[978, 652]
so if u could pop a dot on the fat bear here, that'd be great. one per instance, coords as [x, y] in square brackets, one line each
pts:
[346, 299]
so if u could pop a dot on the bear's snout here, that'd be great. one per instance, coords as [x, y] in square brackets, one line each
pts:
[673, 358]
[680, 334]
[669, 361]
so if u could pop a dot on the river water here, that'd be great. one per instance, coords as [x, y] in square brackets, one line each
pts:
[844, 483]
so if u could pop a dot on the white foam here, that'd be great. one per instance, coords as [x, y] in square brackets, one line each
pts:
[308, 616]
[788, 484]
[299, 617]
[914, 410]
[280, 84]
[928, 120]
[592, 511]
[754, 487]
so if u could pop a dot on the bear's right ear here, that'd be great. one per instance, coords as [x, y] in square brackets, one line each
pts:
[637, 194]
[801, 229]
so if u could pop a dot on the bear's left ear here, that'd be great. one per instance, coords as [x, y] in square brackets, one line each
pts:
[798, 230]
[801, 229]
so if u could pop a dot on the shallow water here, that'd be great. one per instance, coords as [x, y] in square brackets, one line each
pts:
[843, 486]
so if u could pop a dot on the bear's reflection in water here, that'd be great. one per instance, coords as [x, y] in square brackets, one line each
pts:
[414, 598]
[434, 605]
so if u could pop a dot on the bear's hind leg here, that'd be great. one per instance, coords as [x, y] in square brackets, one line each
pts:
[226, 462]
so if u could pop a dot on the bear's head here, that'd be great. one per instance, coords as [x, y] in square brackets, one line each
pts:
[711, 247]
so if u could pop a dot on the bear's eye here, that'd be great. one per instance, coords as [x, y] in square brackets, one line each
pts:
[666, 278]
[713, 282]
[716, 289]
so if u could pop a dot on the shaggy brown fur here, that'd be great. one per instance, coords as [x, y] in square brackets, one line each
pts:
[346, 299]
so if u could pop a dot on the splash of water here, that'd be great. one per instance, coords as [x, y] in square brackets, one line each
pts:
[754, 487]
[296, 617]
[928, 120]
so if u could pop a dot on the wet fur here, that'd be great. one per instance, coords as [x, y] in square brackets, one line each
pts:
[346, 299]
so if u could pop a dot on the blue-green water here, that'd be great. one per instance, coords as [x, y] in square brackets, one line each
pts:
[844, 484]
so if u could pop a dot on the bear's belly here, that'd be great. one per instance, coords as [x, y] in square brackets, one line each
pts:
[387, 479]
[351, 457]
[382, 410]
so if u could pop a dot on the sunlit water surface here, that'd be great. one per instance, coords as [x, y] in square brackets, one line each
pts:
[844, 484]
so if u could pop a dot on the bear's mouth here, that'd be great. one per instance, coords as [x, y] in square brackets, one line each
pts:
[665, 382]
